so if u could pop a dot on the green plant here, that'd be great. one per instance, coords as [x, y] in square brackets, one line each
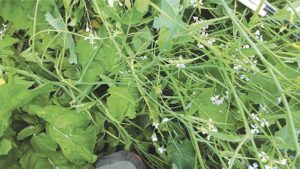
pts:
[185, 84]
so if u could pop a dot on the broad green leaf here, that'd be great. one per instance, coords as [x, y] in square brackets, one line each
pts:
[182, 154]
[142, 39]
[202, 105]
[70, 130]
[169, 22]
[142, 5]
[43, 143]
[121, 103]
[5, 146]
[7, 42]
[283, 139]
[95, 61]
[21, 96]
[32, 160]
[265, 91]
[170, 16]
[28, 131]
[132, 16]
[17, 12]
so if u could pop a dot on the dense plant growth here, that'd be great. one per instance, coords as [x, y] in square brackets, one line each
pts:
[185, 84]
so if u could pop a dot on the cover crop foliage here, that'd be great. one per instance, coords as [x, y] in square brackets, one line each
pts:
[183, 83]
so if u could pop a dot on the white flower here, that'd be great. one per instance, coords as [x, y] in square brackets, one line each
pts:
[253, 166]
[196, 18]
[264, 122]
[244, 77]
[143, 57]
[111, 3]
[200, 46]
[254, 129]
[161, 149]
[92, 36]
[87, 29]
[255, 117]
[258, 35]
[270, 167]
[181, 63]
[283, 162]
[164, 120]
[211, 41]
[264, 157]
[3, 31]
[217, 99]
[279, 100]
[263, 108]
[154, 137]
[155, 125]
[246, 46]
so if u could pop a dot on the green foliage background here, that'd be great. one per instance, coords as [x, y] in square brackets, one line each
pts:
[79, 78]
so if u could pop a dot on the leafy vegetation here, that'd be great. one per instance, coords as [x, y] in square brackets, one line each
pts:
[185, 84]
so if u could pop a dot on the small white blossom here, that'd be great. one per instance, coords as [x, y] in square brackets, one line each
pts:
[217, 99]
[279, 100]
[155, 125]
[111, 3]
[246, 46]
[258, 35]
[3, 31]
[255, 117]
[161, 149]
[263, 108]
[143, 57]
[281, 162]
[211, 41]
[253, 166]
[164, 120]
[200, 46]
[181, 64]
[264, 123]
[87, 29]
[264, 157]
[244, 77]
[92, 37]
[154, 137]
[270, 167]
[254, 129]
